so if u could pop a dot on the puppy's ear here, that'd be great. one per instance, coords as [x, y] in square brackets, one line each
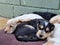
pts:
[52, 26]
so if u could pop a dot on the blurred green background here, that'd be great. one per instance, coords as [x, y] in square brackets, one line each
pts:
[12, 8]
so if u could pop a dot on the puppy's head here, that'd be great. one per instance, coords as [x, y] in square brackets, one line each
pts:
[44, 28]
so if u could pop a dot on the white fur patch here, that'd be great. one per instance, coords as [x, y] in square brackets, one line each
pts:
[30, 26]
[57, 31]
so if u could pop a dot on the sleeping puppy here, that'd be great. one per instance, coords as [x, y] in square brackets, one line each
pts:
[45, 15]
[43, 28]
[12, 23]
[55, 39]
[55, 19]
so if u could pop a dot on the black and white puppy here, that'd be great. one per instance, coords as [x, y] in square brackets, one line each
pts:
[36, 29]
[45, 28]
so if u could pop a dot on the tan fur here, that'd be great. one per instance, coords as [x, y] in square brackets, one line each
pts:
[41, 26]
[55, 19]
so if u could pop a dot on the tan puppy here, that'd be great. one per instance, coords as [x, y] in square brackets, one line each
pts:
[55, 19]
[12, 23]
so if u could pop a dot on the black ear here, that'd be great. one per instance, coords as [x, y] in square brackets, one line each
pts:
[52, 26]
[45, 15]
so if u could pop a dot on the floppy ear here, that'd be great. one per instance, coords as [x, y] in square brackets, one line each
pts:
[52, 26]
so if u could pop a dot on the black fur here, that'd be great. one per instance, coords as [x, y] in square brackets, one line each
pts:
[45, 15]
[50, 26]
[25, 31]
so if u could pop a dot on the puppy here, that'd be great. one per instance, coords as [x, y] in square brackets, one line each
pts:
[55, 19]
[43, 28]
[55, 39]
[12, 23]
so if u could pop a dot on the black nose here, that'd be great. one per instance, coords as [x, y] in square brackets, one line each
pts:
[41, 35]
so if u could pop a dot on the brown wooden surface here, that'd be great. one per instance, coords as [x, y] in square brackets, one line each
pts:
[3, 22]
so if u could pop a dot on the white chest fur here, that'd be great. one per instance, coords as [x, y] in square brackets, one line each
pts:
[57, 31]
[56, 35]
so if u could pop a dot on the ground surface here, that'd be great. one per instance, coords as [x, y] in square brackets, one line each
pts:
[3, 22]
